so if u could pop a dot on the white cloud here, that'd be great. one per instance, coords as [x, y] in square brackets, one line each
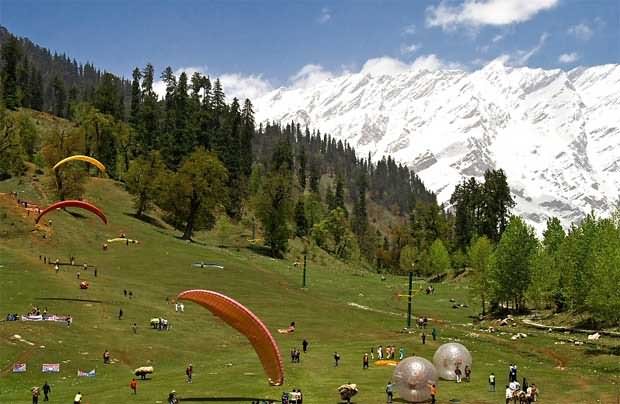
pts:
[568, 58]
[234, 84]
[408, 49]
[582, 31]
[497, 38]
[325, 16]
[409, 30]
[522, 56]
[309, 75]
[477, 13]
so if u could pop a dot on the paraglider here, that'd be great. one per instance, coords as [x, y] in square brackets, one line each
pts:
[247, 323]
[450, 356]
[80, 157]
[413, 378]
[73, 204]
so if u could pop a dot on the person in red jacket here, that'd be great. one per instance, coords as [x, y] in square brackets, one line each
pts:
[133, 385]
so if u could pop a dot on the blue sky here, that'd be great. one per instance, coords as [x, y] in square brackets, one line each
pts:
[273, 43]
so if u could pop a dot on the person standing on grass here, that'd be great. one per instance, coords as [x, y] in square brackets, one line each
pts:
[134, 327]
[365, 361]
[372, 353]
[458, 374]
[492, 382]
[508, 394]
[389, 390]
[336, 358]
[423, 339]
[78, 398]
[467, 373]
[133, 385]
[120, 314]
[304, 345]
[433, 389]
[434, 334]
[35, 395]
[188, 373]
[379, 352]
[46, 391]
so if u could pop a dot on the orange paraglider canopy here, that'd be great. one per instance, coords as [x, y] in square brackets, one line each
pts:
[73, 204]
[246, 322]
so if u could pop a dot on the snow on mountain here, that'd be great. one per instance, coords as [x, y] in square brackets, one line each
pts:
[555, 133]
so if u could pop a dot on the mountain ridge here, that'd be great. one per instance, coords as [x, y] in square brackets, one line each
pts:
[552, 131]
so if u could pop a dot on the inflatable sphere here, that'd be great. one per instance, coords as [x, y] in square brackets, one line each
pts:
[448, 357]
[413, 377]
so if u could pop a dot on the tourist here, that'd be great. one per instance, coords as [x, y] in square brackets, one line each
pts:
[133, 385]
[423, 338]
[467, 373]
[46, 391]
[508, 394]
[172, 397]
[365, 361]
[134, 327]
[533, 392]
[120, 314]
[401, 353]
[130, 294]
[458, 374]
[188, 372]
[372, 353]
[78, 398]
[125, 292]
[336, 358]
[433, 393]
[379, 352]
[35, 395]
[492, 382]
[389, 390]
[95, 272]
[304, 345]
[106, 357]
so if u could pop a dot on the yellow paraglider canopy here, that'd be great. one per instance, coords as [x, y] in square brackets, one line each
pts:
[80, 157]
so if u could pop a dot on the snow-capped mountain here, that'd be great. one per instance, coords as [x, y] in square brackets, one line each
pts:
[555, 133]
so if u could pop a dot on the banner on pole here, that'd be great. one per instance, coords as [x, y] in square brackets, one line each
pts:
[82, 373]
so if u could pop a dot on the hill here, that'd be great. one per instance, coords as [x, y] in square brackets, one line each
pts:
[551, 131]
[343, 309]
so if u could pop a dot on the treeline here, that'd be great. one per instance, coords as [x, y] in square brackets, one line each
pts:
[34, 77]
[574, 271]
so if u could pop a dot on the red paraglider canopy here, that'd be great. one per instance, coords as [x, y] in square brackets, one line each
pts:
[243, 320]
[73, 204]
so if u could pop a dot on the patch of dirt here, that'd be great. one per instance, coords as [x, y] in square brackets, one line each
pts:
[560, 362]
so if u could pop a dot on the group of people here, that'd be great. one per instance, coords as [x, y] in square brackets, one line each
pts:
[36, 392]
[459, 373]
[522, 394]
[295, 355]
[293, 397]
[387, 353]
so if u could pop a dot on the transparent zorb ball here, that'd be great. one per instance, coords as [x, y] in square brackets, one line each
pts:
[448, 357]
[413, 378]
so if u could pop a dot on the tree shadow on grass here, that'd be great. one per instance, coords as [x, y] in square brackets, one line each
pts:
[147, 219]
[227, 399]
[260, 249]
[602, 350]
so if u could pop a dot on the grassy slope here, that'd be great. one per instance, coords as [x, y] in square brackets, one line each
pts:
[160, 267]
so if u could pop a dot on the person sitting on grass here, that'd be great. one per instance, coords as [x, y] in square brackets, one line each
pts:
[106, 357]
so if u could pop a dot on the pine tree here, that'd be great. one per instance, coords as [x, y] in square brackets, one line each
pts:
[136, 98]
[149, 119]
[301, 171]
[339, 195]
[247, 134]
[10, 54]
[60, 97]
[315, 178]
[36, 89]
[301, 223]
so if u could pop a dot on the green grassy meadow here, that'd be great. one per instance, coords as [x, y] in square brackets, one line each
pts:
[225, 366]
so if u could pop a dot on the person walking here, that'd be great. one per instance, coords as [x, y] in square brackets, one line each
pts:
[434, 334]
[78, 398]
[423, 338]
[120, 314]
[365, 361]
[379, 352]
[336, 359]
[133, 385]
[508, 394]
[492, 382]
[372, 353]
[134, 327]
[467, 373]
[304, 345]
[46, 391]
[389, 390]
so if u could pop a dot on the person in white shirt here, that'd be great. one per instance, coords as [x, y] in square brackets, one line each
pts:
[78, 398]
[508, 394]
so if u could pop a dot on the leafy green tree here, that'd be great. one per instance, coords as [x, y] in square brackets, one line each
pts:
[10, 151]
[408, 258]
[439, 258]
[512, 269]
[603, 298]
[193, 193]
[28, 135]
[546, 288]
[144, 181]
[480, 260]
[273, 204]
[109, 97]
[69, 180]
